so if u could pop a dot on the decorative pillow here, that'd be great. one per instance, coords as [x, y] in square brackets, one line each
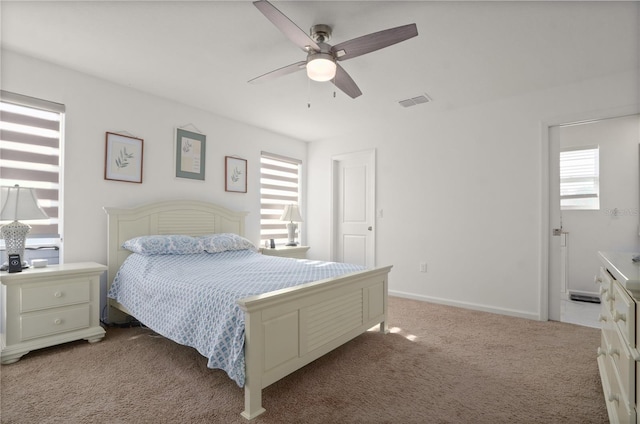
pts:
[216, 243]
[164, 245]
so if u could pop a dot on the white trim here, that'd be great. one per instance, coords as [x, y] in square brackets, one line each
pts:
[467, 305]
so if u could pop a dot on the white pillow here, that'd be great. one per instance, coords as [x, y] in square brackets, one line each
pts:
[216, 243]
[164, 245]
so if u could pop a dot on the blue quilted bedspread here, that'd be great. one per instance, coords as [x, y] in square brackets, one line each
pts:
[191, 299]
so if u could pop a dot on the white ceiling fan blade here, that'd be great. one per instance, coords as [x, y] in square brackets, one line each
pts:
[285, 70]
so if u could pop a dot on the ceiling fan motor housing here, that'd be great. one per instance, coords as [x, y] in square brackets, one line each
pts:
[320, 33]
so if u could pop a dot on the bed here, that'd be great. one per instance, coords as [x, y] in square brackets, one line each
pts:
[284, 329]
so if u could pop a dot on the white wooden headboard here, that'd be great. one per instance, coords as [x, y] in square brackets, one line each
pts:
[186, 217]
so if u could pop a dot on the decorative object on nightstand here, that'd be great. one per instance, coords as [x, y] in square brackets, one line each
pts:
[18, 203]
[48, 306]
[291, 213]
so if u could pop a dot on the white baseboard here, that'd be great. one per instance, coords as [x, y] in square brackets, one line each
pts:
[467, 305]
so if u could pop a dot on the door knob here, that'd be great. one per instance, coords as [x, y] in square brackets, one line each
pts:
[370, 228]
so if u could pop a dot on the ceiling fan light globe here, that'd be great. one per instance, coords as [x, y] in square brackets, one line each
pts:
[321, 69]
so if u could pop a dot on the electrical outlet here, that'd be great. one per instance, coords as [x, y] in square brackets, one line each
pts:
[423, 267]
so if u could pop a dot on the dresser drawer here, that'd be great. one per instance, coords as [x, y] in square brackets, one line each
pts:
[605, 313]
[606, 287]
[72, 291]
[624, 313]
[623, 362]
[52, 322]
[619, 408]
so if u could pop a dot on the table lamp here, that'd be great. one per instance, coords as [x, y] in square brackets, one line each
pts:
[18, 203]
[291, 213]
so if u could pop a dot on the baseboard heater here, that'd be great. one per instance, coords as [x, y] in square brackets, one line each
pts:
[584, 297]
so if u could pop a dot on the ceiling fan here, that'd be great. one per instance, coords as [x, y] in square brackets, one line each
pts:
[321, 62]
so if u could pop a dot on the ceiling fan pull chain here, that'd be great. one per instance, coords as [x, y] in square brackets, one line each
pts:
[308, 93]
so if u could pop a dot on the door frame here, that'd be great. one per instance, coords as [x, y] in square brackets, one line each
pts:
[545, 222]
[335, 160]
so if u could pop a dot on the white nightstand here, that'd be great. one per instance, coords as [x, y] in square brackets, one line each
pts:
[48, 306]
[298, 252]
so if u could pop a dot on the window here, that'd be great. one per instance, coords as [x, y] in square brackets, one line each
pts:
[30, 145]
[580, 178]
[279, 186]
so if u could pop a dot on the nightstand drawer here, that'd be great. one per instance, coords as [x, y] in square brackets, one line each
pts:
[72, 292]
[44, 324]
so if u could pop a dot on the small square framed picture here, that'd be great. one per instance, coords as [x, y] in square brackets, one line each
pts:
[235, 170]
[123, 158]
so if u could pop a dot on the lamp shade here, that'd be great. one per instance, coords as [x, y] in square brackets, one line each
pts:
[20, 203]
[291, 213]
[321, 67]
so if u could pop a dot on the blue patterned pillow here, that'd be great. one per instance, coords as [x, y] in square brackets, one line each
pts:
[216, 243]
[164, 245]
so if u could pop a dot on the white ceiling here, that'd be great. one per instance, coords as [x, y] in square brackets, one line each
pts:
[203, 53]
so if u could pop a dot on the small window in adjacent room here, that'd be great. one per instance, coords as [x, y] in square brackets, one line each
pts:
[31, 132]
[580, 179]
[279, 186]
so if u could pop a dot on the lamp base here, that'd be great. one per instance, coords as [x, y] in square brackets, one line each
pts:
[15, 236]
[291, 230]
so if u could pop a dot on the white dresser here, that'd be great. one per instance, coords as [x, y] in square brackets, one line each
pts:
[47, 306]
[618, 354]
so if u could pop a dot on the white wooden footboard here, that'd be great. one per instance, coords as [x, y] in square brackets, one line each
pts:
[287, 329]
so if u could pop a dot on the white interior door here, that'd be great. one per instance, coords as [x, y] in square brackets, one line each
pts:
[354, 208]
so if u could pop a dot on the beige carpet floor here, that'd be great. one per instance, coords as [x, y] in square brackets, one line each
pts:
[439, 365]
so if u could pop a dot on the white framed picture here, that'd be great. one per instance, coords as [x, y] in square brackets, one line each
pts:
[235, 170]
[123, 158]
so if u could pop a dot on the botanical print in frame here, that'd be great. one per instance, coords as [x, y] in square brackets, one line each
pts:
[235, 170]
[190, 154]
[123, 158]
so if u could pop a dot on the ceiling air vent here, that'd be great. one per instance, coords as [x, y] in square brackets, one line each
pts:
[415, 101]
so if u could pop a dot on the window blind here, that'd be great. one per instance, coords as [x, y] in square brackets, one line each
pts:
[279, 186]
[30, 145]
[580, 178]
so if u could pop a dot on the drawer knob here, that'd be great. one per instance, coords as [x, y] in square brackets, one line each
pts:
[601, 352]
[602, 318]
[613, 397]
[610, 296]
[58, 294]
[597, 280]
[57, 321]
[617, 316]
[603, 290]
[614, 351]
